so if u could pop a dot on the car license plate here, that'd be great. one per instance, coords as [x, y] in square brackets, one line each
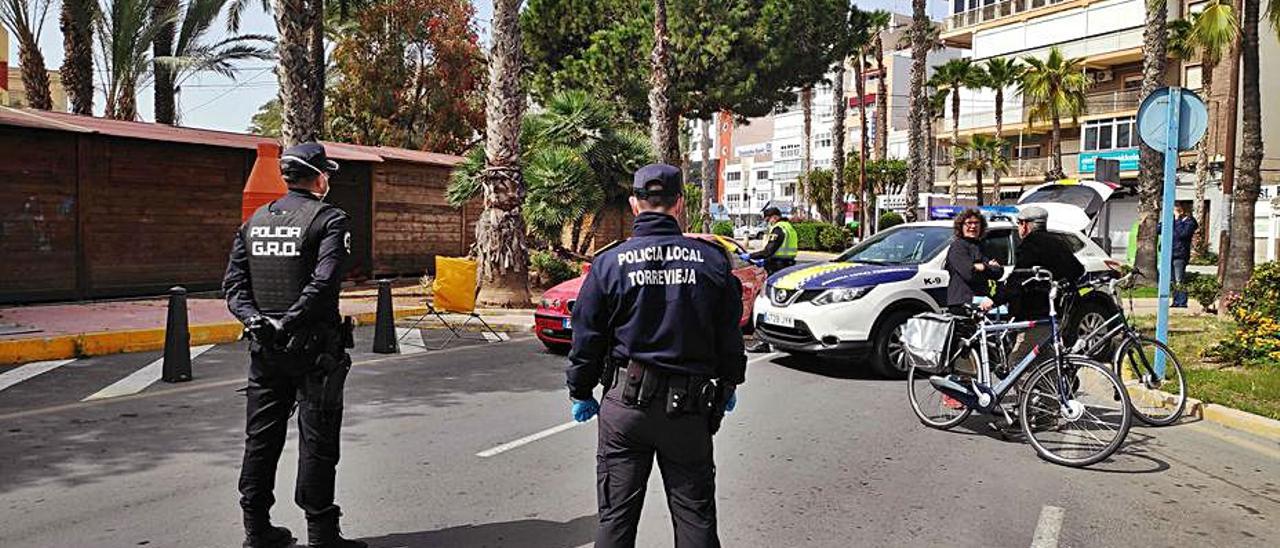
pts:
[778, 319]
[568, 323]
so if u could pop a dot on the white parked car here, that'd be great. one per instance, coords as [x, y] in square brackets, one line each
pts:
[750, 232]
[855, 305]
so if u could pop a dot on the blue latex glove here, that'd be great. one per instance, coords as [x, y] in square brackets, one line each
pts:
[745, 257]
[732, 403]
[583, 410]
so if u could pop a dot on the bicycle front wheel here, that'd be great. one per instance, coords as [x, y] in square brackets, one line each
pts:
[1075, 417]
[1156, 399]
[933, 408]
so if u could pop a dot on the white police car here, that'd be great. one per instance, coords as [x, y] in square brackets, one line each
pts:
[858, 302]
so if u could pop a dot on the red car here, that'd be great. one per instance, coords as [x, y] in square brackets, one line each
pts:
[552, 318]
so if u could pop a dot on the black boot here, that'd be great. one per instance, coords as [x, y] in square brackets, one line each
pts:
[324, 533]
[259, 533]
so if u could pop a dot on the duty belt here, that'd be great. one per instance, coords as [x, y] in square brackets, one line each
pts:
[684, 394]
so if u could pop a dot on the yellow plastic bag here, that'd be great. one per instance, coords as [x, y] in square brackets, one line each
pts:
[455, 285]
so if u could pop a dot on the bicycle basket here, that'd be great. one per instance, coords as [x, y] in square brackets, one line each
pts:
[926, 341]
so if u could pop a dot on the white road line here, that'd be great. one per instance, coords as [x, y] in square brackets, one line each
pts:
[139, 380]
[24, 372]
[410, 340]
[495, 337]
[528, 439]
[569, 425]
[1048, 527]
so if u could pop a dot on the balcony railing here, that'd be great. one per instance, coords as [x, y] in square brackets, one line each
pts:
[992, 12]
[1112, 101]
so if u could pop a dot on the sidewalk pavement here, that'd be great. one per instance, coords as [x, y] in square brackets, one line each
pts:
[60, 331]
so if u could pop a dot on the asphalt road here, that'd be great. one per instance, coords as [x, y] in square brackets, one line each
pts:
[817, 454]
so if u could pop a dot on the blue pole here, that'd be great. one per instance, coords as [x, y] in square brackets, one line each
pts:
[1165, 256]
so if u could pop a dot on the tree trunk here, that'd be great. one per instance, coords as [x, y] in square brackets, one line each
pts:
[837, 135]
[299, 94]
[918, 177]
[163, 47]
[882, 102]
[35, 79]
[1245, 194]
[863, 192]
[502, 252]
[995, 175]
[955, 140]
[125, 106]
[76, 22]
[316, 47]
[977, 174]
[708, 185]
[1055, 163]
[806, 144]
[1151, 162]
[660, 113]
[1229, 159]
[1200, 243]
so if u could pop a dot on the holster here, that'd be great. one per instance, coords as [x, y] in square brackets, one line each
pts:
[684, 394]
[721, 392]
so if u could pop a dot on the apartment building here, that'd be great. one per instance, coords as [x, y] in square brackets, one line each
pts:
[12, 94]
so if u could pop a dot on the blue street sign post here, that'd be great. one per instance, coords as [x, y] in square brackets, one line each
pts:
[1169, 120]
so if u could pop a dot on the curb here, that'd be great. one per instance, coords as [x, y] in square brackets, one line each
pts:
[1235, 419]
[19, 351]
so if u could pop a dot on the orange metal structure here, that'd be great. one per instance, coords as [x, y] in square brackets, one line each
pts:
[265, 181]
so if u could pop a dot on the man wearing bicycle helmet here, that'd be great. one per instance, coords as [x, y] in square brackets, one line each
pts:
[1038, 248]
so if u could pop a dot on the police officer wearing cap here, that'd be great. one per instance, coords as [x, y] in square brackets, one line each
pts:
[656, 323]
[779, 253]
[282, 282]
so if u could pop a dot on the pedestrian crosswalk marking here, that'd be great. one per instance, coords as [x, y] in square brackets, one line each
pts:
[24, 372]
[139, 380]
[410, 340]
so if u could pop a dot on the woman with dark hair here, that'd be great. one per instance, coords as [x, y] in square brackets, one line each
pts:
[970, 270]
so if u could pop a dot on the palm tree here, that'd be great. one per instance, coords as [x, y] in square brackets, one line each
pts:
[1154, 52]
[1054, 87]
[837, 137]
[501, 250]
[125, 30]
[982, 154]
[952, 76]
[579, 154]
[880, 22]
[806, 141]
[1207, 34]
[25, 20]
[190, 54]
[76, 23]
[661, 125]
[300, 26]
[921, 26]
[1001, 73]
[1248, 184]
[935, 108]
[162, 47]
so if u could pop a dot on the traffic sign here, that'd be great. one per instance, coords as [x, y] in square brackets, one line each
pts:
[1154, 113]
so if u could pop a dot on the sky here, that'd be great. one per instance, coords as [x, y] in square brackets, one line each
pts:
[215, 102]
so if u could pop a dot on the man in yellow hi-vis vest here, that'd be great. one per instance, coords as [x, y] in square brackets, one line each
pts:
[779, 252]
[781, 248]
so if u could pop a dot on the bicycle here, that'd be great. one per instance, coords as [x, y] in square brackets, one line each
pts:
[1060, 395]
[1158, 398]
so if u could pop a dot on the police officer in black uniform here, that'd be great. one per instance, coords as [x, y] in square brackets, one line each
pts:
[282, 282]
[656, 322]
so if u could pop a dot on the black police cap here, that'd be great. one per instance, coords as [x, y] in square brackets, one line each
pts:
[306, 159]
[658, 180]
[771, 212]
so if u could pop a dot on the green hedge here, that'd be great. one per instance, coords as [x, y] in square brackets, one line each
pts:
[722, 228]
[552, 270]
[818, 236]
[889, 219]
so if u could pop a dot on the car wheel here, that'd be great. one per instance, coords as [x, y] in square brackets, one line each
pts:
[888, 360]
[557, 348]
[1087, 317]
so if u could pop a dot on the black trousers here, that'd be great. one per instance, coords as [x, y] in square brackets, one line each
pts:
[772, 266]
[629, 437]
[276, 384]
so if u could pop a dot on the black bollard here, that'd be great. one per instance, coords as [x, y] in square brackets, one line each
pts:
[384, 330]
[177, 339]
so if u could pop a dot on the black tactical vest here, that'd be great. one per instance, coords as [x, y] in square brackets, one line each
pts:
[281, 258]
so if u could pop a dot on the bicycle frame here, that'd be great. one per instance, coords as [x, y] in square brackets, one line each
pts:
[980, 337]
